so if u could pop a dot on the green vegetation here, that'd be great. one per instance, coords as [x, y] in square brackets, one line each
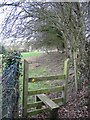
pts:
[37, 72]
[30, 54]
[32, 73]
[34, 85]
[11, 72]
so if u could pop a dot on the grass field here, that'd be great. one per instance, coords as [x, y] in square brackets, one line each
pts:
[30, 54]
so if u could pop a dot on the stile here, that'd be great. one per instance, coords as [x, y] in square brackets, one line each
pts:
[47, 101]
[57, 77]
[52, 106]
[46, 90]
[37, 111]
[39, 103]
[25, 88]
[51, 103]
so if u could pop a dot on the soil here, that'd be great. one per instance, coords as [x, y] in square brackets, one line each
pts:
[77, 103]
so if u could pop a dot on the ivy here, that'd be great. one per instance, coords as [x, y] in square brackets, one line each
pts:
[9, 58]
[11, 72]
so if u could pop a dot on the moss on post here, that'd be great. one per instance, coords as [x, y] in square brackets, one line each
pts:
[66, 72]
[25, 88]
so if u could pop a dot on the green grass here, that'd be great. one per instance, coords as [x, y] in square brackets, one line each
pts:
[38, 71]
[30, 54]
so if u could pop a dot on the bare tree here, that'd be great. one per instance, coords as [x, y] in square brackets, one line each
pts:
[25, 20]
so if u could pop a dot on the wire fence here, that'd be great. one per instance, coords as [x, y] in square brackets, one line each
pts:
[10, 93]
[0, 86]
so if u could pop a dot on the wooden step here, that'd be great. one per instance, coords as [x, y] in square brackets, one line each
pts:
[47, 101]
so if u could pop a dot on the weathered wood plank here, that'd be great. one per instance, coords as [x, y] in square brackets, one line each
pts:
[39, 103]
[66, 73]
[57, 77]
[25, 88]
[37, 111]
[66, 66]
[75, 70]
[35, 104]
[47, 101]
[47, 90]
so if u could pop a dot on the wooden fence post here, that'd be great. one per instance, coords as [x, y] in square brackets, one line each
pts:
[75, 70]
[54, 114]
[66, 73]
[25, 87]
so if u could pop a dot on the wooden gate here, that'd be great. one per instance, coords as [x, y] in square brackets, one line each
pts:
[41, 97]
